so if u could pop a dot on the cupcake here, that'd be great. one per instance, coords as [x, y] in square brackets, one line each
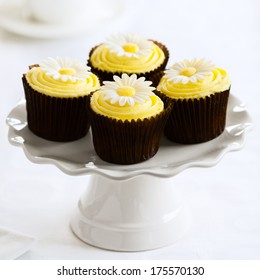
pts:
[56, 93]
[127, 120]
[130, 54]
[199, 92]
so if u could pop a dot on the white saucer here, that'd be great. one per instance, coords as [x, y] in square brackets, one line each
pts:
[15, 18]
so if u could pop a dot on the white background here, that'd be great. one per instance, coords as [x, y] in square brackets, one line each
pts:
[224, 200]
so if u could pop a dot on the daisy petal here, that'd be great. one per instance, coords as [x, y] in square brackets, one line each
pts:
[137, 90]
[72, 70]
[189, 70]
[122, 100]
[116, 43]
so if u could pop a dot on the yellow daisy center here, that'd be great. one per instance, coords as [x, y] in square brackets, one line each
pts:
[126, 91]
[67, 71]
[188, 72]
[132, 48]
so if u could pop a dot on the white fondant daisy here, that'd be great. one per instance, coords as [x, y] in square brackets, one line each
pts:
[130, 45]
[189, 71]
[127, 90]
[65, 69]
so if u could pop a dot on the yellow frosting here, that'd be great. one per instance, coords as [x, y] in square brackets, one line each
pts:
[217, 82]
[103, 59]
[40, 82]
[149, 108]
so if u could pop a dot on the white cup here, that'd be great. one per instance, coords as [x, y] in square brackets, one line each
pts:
[59, 11]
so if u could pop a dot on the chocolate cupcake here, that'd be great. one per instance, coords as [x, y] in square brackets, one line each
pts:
[56, 93]
[127, 120]
[199, 92]
[130, 54]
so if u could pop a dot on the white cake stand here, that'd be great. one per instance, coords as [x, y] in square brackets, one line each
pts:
[130, 207]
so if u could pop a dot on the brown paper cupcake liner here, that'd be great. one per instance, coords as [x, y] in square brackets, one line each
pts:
[108, 76]
[54, 118]
[196, 120]
[127, 142]
[157, 77]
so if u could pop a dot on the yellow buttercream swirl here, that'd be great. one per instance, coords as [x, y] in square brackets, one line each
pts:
[218, 81]
[149, 108]
[103, 59]
[42, 83]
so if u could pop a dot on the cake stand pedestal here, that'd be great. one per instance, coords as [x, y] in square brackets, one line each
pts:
[135, 214]
[130, 207]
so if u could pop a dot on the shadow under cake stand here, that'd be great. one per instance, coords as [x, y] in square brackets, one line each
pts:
[130, 207]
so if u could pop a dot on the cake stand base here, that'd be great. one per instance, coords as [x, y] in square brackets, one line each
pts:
[137, 214]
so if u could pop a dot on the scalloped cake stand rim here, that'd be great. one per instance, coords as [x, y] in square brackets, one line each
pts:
[79, 158]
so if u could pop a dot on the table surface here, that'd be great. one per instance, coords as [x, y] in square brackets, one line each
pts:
[38, 199]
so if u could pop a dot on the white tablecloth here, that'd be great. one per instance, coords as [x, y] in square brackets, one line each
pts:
[224, 200]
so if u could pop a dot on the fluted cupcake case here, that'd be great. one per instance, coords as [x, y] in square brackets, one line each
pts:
[56, 119]
[127, 142]
[196, 120]
[127, 120]
[199, 91]
[56, 92]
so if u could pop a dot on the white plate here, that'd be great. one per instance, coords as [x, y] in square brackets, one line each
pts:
[16, 19]
[79, 157]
